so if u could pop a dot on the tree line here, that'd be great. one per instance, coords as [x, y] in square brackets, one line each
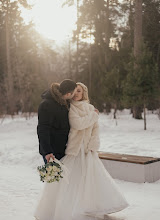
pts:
[115, 51]
[121, 64]
[28, 62]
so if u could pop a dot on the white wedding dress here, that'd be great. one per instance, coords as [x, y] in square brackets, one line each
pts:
[90, 194]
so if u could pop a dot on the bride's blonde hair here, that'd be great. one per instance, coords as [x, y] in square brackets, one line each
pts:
[85, 91]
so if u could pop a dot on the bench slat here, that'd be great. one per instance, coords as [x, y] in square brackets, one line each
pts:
[127, 158]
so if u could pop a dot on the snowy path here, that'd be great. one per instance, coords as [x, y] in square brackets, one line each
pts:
[20, 185]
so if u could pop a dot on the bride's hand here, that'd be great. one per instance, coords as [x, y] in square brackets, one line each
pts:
[96, 110]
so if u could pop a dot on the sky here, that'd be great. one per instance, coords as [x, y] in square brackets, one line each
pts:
[51, 20]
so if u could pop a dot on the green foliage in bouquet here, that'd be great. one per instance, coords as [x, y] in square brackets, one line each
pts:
[50, 172]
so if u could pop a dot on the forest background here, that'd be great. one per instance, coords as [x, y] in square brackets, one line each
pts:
[114, 50]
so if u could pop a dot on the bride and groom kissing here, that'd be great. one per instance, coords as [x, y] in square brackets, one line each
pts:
[68, 131]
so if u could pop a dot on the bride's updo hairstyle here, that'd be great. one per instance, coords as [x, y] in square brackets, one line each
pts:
[85, 91]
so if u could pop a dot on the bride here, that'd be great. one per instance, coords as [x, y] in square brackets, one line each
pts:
[91, 192]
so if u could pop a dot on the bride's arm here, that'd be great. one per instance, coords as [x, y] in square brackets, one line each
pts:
[79, 123]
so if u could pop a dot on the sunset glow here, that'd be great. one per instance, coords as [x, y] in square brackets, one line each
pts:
[51, 20]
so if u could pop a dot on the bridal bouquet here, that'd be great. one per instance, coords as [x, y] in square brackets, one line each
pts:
[51, 171]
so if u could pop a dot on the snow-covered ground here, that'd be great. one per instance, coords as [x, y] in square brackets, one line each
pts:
[19, 180]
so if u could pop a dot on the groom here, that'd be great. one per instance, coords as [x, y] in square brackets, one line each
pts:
[53, 123]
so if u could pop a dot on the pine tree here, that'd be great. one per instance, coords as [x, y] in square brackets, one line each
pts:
[11, 24]
[142, 81]
[25, 61]
[113, 89]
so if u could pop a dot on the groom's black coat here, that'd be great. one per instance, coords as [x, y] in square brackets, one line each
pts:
[53, 124]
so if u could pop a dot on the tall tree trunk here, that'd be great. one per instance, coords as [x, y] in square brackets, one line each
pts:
[115, 111]
[90, 62]
[130, 23]
[137, 45]
[138, 28]
[69, 63]
[145, 123]
[9, 81]
[107, 39]
[158, 54]
[77, 54]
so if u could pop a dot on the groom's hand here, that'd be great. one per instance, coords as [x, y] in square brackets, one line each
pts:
[48, 156]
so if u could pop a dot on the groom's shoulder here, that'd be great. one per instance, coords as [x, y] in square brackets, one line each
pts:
[47, 104]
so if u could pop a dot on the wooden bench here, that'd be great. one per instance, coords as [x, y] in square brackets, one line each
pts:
[131, 168]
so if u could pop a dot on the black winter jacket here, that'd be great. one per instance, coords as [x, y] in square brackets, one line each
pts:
[53, 125]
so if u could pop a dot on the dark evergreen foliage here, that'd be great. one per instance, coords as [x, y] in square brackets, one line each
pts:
[104, 40]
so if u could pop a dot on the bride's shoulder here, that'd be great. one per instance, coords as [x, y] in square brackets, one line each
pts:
[90, 106]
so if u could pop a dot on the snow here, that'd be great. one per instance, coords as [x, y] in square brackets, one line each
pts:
[19, 183]
[129, 136]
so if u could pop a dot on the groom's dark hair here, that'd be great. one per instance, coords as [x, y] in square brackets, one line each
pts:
[67, 86]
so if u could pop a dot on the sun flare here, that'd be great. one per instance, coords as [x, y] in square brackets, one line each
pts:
[51, 20]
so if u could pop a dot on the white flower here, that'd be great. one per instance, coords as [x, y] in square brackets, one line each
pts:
[49, 168]
[48, 178]
[56, 173]
[55, 168]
